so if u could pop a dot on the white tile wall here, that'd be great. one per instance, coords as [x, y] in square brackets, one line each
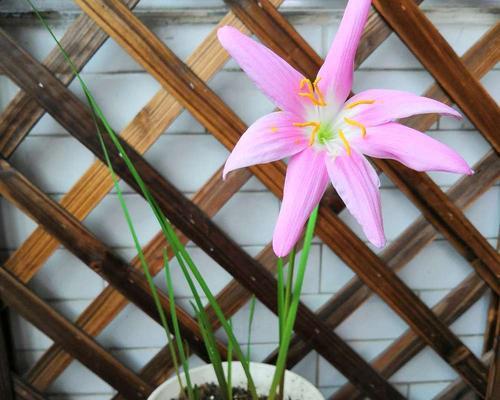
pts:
[188, 156]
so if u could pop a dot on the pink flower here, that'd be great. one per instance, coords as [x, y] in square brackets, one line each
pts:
[326, 137]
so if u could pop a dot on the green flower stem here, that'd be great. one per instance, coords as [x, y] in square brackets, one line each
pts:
[292, 312]
[250, 323]
[175, 324]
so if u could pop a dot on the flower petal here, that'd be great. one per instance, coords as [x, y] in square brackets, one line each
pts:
[410, 147]
[394, 104]
[273, 75]
[337, 72]
[357, 184]
[268, 139]
[305, 183]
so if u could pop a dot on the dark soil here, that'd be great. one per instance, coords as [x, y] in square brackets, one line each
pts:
[210, 391]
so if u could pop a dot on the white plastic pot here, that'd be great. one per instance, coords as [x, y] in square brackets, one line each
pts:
[296, 387]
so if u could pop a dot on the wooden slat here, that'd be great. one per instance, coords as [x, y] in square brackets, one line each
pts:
[399, 253]
[424, 193]
[80, 345]
[409, 345]
[491, 322]
[449, 220]
[459, 390]
[6, 384]
[432, 50]
[110, 302]
[76, 238]
[82, 39]
[449, 309]
[141, 133]
[494, 371]
[77, 119]
[24, 391]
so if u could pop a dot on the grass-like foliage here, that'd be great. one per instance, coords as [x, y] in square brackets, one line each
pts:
[288, 300]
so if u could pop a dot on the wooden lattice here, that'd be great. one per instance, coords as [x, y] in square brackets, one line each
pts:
[44, 89]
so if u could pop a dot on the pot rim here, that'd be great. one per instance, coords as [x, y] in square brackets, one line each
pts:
[310, 388]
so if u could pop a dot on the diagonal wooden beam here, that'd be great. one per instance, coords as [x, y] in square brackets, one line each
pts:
[77, 119]
[494, 371]
[459, 390]
[434, 52]
[6, 380]
[81, 346]
[409, 345]
[81, 242]
[25, 391]
[424, 193]
[82, 39]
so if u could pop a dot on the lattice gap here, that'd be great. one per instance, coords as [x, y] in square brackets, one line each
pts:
[189, 155]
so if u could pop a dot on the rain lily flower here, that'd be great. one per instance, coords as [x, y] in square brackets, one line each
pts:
[327, 136]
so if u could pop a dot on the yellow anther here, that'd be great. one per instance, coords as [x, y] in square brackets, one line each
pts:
[313, 94]
[316, 125]
[346, 143]
[307, 82]
[274, 129]
[357, 103]
[357, 124]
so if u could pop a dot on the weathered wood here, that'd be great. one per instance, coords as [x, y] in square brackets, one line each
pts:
[141, 133]
[110, 302]
[77, 119]
[491, 322]
[408, 345]
[76, 342]
[459, 390]
[83, 244]
[432, 50]
[24, 391]
[6, 381]
[82, 39]
[494, 372]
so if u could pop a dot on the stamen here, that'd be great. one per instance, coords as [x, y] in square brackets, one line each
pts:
[359, 102]
[346, 143]
[357, 124]
[316, 125]
[314, 93]
[306, 81]
[318, 92]
[274, 129]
